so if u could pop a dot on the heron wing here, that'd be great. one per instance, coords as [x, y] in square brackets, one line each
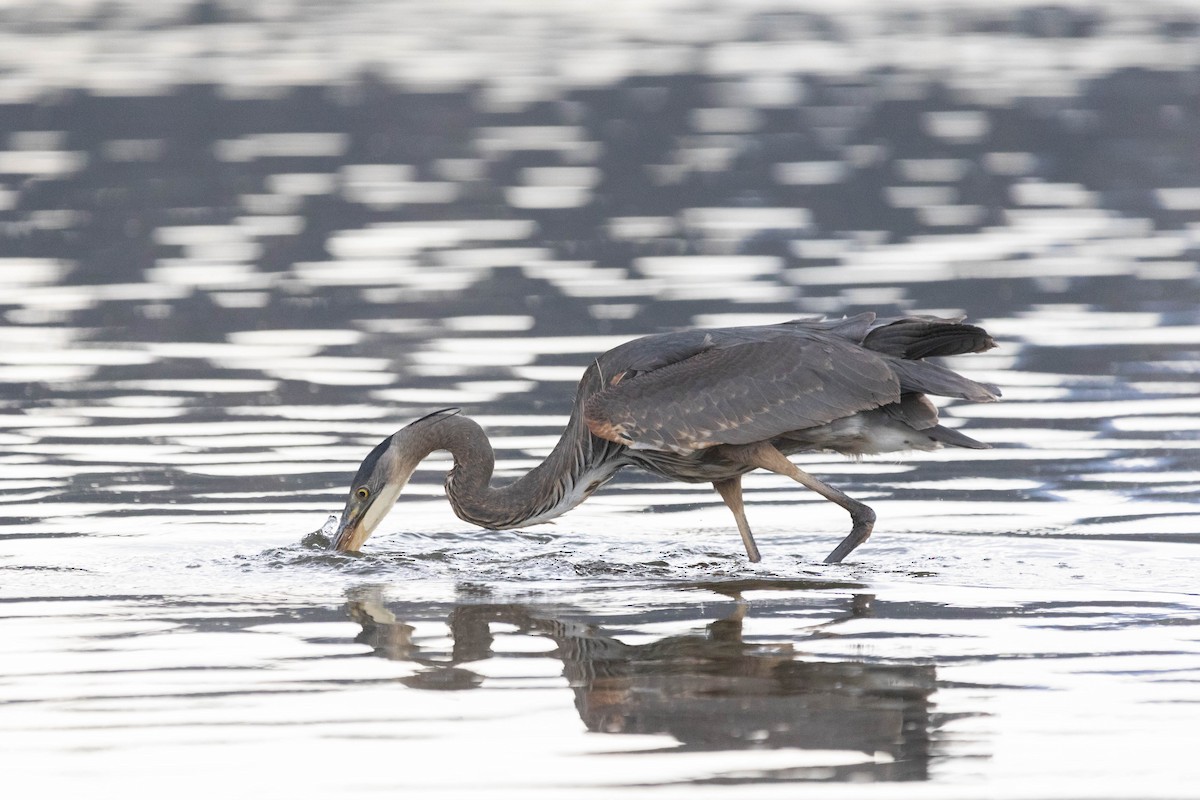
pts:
[741, 393]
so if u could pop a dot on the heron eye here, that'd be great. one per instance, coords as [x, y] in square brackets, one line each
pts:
[363, 493]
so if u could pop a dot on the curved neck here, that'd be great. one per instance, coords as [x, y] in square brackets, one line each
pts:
[578, 464]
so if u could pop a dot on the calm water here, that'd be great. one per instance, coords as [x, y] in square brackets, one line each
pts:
[238, 248]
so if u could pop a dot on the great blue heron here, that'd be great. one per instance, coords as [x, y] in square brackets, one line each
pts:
[703, 406]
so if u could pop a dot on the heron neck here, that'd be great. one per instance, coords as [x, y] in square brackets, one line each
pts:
[549, 489]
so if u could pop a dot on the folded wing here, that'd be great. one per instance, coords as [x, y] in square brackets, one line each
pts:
[741, 393]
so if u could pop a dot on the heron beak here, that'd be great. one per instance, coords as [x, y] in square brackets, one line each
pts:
[360, 520]
[351, 533]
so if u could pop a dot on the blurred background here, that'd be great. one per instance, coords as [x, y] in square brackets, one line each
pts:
[625, 166]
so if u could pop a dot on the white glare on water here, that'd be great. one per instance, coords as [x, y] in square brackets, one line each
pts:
[246, 243]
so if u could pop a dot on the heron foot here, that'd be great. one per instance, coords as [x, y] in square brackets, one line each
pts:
[863, 519]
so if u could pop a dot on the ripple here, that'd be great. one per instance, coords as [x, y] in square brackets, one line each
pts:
[204, 333]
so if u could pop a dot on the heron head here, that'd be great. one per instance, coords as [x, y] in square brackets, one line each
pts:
[383, 474]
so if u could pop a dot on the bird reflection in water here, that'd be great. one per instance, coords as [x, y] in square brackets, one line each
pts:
[710, 691]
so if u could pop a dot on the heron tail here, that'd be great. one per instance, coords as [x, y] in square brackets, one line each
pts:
[921, 337]
[927, 378]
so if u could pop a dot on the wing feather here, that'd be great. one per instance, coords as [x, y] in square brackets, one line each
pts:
[742, 393]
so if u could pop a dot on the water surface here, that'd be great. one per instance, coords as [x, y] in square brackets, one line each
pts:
[239, 248]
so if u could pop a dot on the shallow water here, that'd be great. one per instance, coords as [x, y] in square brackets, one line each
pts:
[239, 254]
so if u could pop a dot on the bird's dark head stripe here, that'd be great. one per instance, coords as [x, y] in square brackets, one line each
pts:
[363, 476]
[434, 416]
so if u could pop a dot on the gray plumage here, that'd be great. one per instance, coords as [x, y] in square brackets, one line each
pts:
[704, 406]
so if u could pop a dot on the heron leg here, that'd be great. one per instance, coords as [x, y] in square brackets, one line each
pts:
[764, 456]
[730, 490]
